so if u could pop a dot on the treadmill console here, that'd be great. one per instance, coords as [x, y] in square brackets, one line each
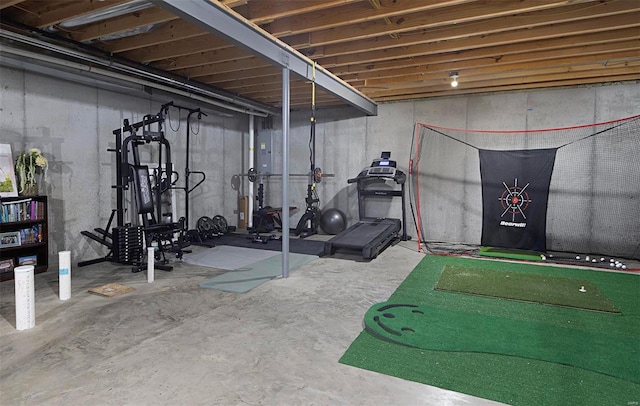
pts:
[382, 167]
[380, 171]
[384, 161]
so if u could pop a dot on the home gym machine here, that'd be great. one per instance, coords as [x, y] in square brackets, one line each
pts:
[126, 242]
[370, 236]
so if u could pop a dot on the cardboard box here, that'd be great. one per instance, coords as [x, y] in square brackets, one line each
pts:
[243, 212]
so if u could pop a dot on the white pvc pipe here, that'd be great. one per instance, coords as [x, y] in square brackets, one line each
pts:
[151, 266]
[251, 163]
[64, 274]
[25, 297]
[136, 80]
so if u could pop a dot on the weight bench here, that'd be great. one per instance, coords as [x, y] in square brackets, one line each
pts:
[265, 220]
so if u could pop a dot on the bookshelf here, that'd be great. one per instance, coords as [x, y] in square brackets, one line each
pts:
[24, 237]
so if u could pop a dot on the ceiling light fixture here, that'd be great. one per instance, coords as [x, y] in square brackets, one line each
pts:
[454, 79]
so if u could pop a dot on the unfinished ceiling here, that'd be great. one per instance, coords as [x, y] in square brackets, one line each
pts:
[387, 49]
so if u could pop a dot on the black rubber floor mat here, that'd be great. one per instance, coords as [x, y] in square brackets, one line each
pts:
[296, 245]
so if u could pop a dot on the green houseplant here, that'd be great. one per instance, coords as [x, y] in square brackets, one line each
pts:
[28, 164]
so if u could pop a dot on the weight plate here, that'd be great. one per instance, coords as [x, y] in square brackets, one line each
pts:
[252, 175]
[317, 175]
[221, 223]
[213, 226]
[203, 224]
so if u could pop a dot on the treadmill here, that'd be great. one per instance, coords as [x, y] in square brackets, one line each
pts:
[371, 235]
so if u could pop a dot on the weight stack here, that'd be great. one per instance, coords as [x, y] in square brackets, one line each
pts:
[128, 245]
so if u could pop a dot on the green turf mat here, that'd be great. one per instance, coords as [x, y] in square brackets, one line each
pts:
[434, 328]
[505, 378]
[510, 253]
[512, 380]
[552, 290]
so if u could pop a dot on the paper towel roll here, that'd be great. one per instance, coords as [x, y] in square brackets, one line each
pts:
[25, 297]
[64, 274]
[151, 252]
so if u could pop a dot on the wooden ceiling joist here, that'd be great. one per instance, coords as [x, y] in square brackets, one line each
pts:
[391, 50]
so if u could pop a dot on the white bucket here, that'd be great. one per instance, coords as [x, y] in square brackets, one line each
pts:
[25, 297]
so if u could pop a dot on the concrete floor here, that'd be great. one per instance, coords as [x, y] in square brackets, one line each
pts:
[173, 343]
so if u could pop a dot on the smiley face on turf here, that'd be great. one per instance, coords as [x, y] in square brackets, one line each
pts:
[398, 319]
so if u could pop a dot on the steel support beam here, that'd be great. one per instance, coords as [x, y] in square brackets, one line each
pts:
[223, 22]
[285, 172]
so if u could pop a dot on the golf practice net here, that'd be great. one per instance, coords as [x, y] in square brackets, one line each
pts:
[572, 189]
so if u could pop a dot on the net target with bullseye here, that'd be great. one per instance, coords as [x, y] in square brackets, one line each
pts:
[514, 200]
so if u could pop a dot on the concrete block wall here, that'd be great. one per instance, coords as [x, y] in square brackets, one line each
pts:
[347, 142]
[576, 200]
[73, 124]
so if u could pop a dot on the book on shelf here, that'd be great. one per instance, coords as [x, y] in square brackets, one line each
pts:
[6, 265]
[28, 260]
[31, 235]
[21, 210]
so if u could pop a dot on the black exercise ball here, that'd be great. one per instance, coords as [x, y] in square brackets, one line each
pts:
[333, 221]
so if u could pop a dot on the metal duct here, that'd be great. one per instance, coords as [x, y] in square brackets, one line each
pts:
[85, 62]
